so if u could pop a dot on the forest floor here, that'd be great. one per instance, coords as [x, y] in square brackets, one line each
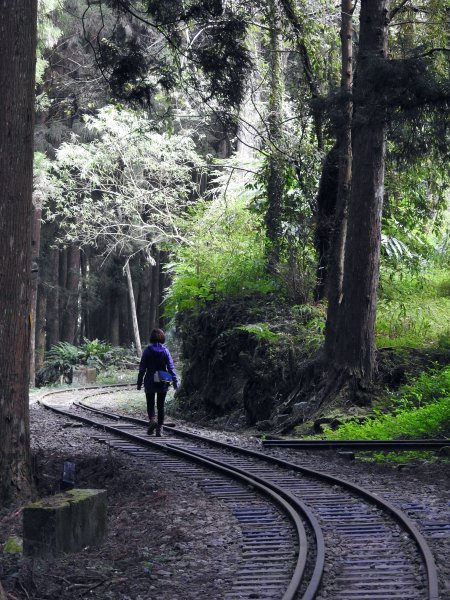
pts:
[166, 539]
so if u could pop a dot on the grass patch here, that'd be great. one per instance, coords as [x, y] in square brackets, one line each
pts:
[413, 311]
[427, 388]
[401, 458]
[419, 410]
[113, 376]
[429, 421]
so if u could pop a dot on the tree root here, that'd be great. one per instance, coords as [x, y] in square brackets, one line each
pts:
[318, 387]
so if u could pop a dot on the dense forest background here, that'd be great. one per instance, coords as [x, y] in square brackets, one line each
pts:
[204, 151]
[266, 180]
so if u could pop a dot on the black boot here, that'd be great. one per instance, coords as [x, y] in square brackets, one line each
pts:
[151, 427]
[158, 431]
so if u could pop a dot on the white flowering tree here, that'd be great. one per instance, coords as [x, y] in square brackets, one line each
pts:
[123, 190]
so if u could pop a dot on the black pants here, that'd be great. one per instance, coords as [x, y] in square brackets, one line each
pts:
[160, 398]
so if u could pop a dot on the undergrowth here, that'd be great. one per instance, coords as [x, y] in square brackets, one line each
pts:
[429, 421]
[419, 410]
[413, 310]
[224, 257]
[399, 458]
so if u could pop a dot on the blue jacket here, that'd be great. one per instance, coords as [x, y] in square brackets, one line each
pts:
[155, 357]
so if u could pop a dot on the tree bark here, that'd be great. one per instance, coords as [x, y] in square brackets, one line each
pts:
[154, 300]
[114, 324]
[35, 247]
[275, 162]
[62, 291]
[41, 309]
[84, 310]
[2, 593]
[339, 235]
[325, 219]
[164, 284]
[69, 315]
[144, 301]
[354, 335]
[17, 77]
[52, 325]
[136, 335]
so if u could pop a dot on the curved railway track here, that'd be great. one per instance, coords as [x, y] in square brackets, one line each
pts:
[307, 534]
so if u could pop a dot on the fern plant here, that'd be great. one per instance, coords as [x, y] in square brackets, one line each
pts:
[64, 353]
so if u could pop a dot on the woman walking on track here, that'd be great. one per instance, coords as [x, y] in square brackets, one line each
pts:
[157, 366]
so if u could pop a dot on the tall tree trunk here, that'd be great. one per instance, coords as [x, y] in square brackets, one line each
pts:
[136, 335]
[164, 284]
[114, 325]
[53, 299]
[17, 62]
[62, 282]
[154, 300]
[35, 247]
[144, 301]
[84, 310]
[325, 218]
[69, 315]
[354, 335]
[338, 239]
[41, 309]
[275, 162]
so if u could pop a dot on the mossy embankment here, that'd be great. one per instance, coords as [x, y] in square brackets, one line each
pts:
[241, 356]
[244, 356]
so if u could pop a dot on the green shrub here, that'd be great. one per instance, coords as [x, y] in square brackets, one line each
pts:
[64, 353]
[93, 353]
[413, 311]
[259, 330]
[62, 357]
[429, 421]
[224, 253]
[427, 388]
[418, 410]
[94, 348]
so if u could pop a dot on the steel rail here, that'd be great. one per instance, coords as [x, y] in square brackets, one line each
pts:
[398, 515]
[286, 501]
[358, 444]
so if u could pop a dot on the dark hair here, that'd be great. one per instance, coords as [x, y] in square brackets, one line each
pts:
[157, 336]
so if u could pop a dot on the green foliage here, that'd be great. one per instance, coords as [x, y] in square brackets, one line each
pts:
[427, 387]
[114, 375]
[47, 36]
[93, 352]
[260, 330]
[64, 354]
[432, 420]
[224, 253]
[123, 190]
[413, 310]
[416, 210]
[310, 322]
[62, 357]
[419, 410]
[58, 364]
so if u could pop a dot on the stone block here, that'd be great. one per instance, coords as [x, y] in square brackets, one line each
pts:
[84, 375]
[64, 523]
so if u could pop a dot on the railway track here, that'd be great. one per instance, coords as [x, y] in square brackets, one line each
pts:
[307, 534]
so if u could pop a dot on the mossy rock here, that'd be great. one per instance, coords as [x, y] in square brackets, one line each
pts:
[65, 522]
